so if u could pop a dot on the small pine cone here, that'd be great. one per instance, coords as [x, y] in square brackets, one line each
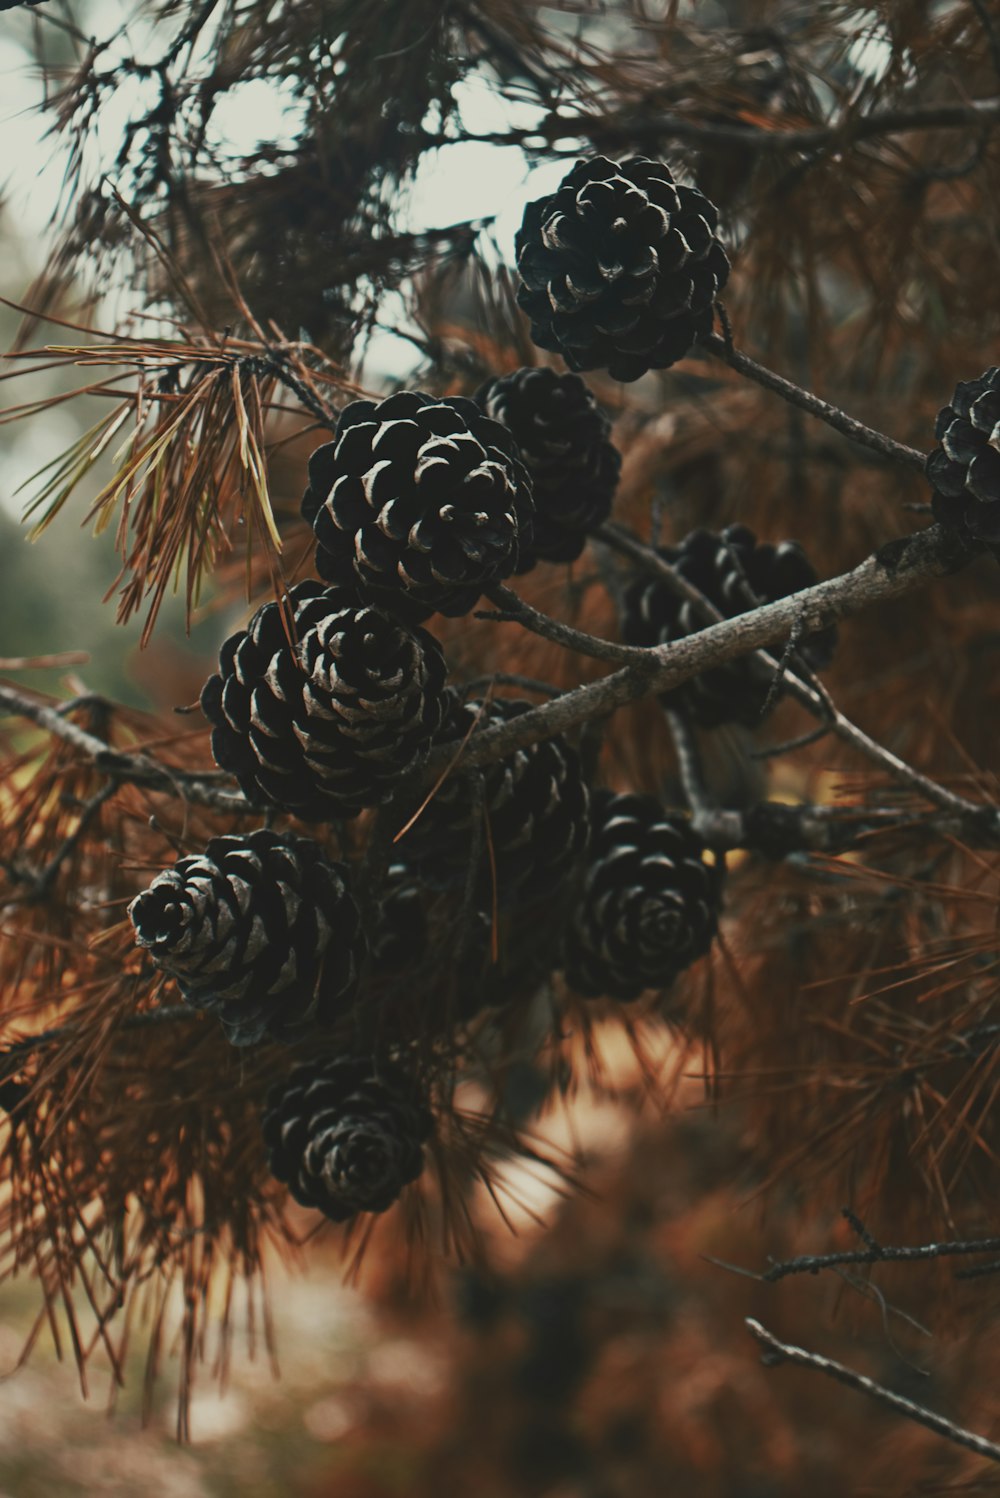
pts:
[621, 267]
[418, 504]
[563, 437]
[535, 825]
[734, 573]
[401, 935]
[964, 471]
[346, 1135]
[327, 726]
[649, 906]
[259, 929]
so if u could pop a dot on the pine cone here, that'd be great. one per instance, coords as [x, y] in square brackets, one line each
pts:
[327, 726]
[401, 936]
[418, 504]
[346, 1135]
[621, 267]
[260, 930]
[734, 573]
[965, 470]
[649, 906]
[535, 825]
[563, 437]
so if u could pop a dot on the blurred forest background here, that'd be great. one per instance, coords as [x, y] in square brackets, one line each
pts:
[592, 1348]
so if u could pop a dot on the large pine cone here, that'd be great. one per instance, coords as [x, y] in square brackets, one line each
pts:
[621, 266]
[563, 437]
[965, 470]
[259, 929]
[649, 906]
[418, 503]
[735, 574]
[535, 826]
[328, 725]
[345, 1135]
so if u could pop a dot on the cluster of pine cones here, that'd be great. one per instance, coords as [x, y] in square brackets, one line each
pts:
[332, 699]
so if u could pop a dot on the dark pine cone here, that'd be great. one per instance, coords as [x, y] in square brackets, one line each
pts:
[346, 1135]
[621, 266]
[965, 470]
[328, 726]
[535, 826]
[418, 504]
[649, 906]
[734, 573]
[260, 930]
[563, 437]
[401, 936]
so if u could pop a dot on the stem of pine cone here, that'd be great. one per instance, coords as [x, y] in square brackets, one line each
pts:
[689, 763]
[805, 400]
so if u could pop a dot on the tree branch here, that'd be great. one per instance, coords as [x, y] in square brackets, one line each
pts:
[776, 829]
[879, 1253]
[892, 572]
[809, 692]
[895, 570]
[784, 1352]
[643, 125]
[804, 400]
[136, 769]
[514, 610]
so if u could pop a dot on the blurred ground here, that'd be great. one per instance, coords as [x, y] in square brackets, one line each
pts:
[606, 1357]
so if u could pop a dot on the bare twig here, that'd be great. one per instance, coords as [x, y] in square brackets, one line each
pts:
[643, 124]
[777, 829]
[513, 609]
[510, 679]
[57, 662]
[880, 1253]
[689, 764]
[785, 1352]
[12, 1055]
[805, 400]
[136, 769]
[41, 882]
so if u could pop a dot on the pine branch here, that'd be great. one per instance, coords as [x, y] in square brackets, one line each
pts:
[810, 692]
[642, 125]
[784, 1352]
[893, 571]
[777, 829]
[805, 400]
[896, 569]
[135, 769]
[876, 1253]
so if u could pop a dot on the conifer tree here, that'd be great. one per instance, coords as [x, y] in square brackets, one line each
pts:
[628, 664]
